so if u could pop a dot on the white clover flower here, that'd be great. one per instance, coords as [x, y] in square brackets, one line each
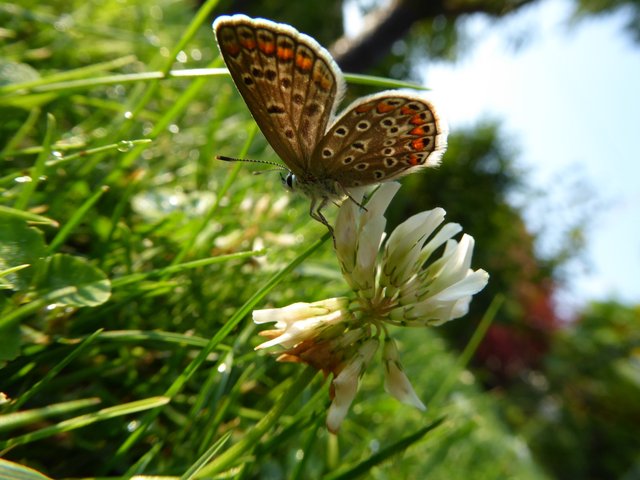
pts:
[301, 321]
[407, 286]
[403, 281]
[324, 334]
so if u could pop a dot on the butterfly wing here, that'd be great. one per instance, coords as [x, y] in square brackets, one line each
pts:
[290, 84]
[380, 137]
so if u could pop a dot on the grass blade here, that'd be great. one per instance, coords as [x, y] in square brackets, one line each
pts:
[85, 420]
[364, 467]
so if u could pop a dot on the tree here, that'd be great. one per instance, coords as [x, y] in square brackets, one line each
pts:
[582, 422]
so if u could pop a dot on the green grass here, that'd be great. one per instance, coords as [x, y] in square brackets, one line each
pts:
[130, 261]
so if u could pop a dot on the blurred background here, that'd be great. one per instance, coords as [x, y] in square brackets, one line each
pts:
[542, 169]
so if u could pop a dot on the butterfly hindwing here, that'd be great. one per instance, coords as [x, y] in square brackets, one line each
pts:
[380, 137]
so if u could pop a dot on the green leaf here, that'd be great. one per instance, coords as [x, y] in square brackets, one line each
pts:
[9, 341]
[28, 188]
[86, 420]
[4, 285]
[15, 471]
[54, 371]
[400, 446]
[24, 214]
[381, 82]
[13, 72]
[10, 421]
[19, 245]
[73, 281]
[206, 457]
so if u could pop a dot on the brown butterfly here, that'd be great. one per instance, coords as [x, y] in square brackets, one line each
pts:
[292, 87]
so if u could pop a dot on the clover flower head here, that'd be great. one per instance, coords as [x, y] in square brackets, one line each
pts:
[418, 276]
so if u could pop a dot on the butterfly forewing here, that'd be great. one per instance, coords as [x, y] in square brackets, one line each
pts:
[378, 138]
[288, 81]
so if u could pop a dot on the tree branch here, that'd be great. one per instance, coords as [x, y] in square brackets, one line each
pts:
[388, 25]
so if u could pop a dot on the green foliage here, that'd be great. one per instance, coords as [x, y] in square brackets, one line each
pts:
[38, 279]
[130, 261]
[586, 8]
[590, 397]
[20, 245]
[14, 471]
[320, 18]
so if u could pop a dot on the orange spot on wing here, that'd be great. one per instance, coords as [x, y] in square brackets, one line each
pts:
[364, 108]
[417, 131]
[417, 120]
[414, 160]
[267, 47]
[384, 107]
[248, 43]
[417, 144]
[303, 63]
[232, 49]
[285, 53]
[406, 110]
[323, 81]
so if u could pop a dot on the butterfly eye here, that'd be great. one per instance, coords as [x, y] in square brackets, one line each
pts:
[289, 181]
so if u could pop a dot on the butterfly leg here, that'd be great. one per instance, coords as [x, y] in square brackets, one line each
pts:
[355, 201]
[316, 212]
[346, 193]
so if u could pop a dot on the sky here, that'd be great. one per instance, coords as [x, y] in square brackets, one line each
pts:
[569, 100]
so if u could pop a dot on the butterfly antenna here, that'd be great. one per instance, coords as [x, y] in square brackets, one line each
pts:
[248, 160]
[260, 172]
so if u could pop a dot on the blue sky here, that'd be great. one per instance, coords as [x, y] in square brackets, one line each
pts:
[569, 99]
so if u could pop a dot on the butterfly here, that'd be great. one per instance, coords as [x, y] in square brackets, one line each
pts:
[292, 87]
